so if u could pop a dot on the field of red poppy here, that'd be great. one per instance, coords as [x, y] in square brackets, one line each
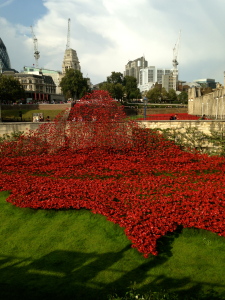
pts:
[134, 177]
[180, 116]
[75, 254]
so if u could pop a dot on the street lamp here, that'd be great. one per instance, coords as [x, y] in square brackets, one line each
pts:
[145, 107]
[124, 97]
[217, 107]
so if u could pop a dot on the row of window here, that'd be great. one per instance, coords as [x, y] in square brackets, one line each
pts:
[30, 81]
[39, 88]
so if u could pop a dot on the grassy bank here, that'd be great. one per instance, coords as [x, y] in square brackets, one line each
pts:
[72, 254]
[27, 115]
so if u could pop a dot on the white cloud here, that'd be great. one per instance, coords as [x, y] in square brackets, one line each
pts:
[5, 3]
[106, 34]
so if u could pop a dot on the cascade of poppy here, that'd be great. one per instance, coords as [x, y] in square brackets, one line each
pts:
[91, 157]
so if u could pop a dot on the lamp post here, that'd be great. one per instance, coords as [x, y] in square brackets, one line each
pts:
[217, 107]
[222, 98]
[221, 108]
[124, 97]
[145, 107]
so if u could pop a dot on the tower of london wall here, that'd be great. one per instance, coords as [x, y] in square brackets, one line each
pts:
[212, 105]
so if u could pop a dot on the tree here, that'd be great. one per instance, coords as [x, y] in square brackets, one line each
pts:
[172, 96]
[158, 94]
[154, 94]
[10, 88]
[115, 77]
[164, 94]
[116, 90]
[73, 84]
[120, 87]
[183, 97]
[131, 89]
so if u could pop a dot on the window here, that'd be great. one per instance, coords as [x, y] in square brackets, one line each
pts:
[150, 75]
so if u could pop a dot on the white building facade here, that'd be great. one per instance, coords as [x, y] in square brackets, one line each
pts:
[150, 75]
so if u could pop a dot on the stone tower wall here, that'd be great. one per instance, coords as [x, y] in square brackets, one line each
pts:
[212, 104]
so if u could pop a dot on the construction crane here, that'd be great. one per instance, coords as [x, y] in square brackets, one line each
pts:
[68, 36]
[175, 63]
[36, 52]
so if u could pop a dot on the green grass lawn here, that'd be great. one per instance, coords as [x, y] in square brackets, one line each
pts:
[135, 117]
[27, 115]
[72, 254]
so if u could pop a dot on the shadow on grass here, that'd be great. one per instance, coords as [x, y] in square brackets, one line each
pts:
[165, 243]
[74, 275]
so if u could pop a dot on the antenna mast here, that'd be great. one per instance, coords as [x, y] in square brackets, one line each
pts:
[36, 52]
[68, 36]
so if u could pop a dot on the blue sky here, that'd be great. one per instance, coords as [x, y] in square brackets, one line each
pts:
[108, 33]
[24, 12]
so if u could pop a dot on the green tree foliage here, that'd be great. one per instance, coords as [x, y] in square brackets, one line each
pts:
[116, 90]
[158, 94]
[115, 77]
[154, 94]
[73, 84]
[119, 86]
[172, 96]
[183, 97]
[131, 89]
[164, 94]
[10, 89]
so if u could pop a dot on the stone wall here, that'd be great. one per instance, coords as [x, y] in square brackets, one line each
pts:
[8, 128]
[205, 126]
[212, 104]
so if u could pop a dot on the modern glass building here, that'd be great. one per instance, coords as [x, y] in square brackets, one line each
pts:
[4, 58]
[206, 82]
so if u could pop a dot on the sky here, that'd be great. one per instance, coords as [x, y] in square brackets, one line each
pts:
[106, 34]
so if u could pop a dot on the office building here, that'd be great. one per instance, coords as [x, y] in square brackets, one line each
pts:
[133, 67]
[37, 87]
[206, 82]
[150, 75]
[4, 58]
[56, 75]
